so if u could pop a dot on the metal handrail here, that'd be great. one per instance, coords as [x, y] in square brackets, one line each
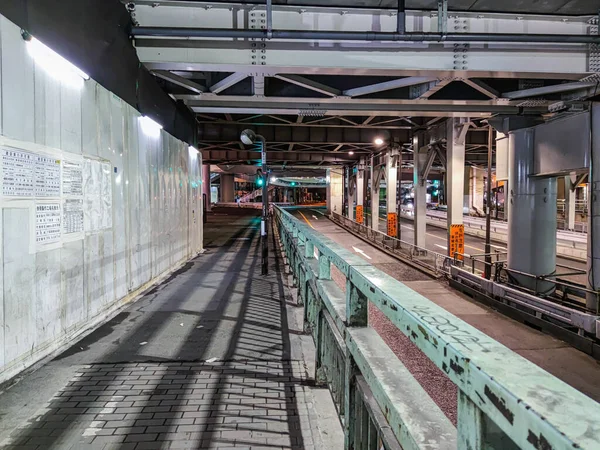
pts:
[502, 397]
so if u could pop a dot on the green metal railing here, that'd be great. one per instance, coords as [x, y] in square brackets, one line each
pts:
[504, 401]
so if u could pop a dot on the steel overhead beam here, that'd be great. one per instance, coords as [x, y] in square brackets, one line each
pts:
[327, 35]
[547, 90]
[438, 86]
[179, 81]
[387, 86]
[481, 87]
[227, 82]
[309, 84]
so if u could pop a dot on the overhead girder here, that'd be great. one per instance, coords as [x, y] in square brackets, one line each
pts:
[521, 57]
[293, 134]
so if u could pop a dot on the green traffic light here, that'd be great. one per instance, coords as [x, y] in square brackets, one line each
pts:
[293, 183]
[259, 182]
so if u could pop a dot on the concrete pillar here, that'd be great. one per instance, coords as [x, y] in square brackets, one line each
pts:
[570, 197]
[392, 166]
[375, 183]
[455, 178]
[227, 187]
[531, 215]
[206, 186]
[420, 189]
[335, 190]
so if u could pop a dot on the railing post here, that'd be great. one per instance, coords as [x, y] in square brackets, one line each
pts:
[356, 306]
[469, 423]
[324, 274]
[356, 316]
[309, 249]
[324, 267]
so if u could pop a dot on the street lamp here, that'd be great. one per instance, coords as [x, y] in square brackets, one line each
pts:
[379, 141]
[249, 137]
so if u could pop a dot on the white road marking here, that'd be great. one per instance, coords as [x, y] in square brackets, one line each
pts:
[497, 246]
[358, 250]
[317, 211]
[315, 217]
[441, 246]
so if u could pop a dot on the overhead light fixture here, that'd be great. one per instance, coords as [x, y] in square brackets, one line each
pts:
[248, 137]
[273, 179]
[351, 153]
[55, 65]
[379, 141]
[191, 148]
[150, 127]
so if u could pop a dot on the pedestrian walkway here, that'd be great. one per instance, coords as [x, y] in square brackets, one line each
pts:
[214, 357]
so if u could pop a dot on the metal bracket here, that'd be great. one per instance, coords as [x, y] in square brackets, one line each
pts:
[441, 155]
[580, 179]
[443, 17]
[429, 163]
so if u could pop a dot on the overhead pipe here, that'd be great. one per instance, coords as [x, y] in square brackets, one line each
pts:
[226, 33]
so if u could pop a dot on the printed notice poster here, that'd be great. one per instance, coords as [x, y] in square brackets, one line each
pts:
[72, 216]
[47, 223]
[17, 173]
[72, 178]
[47, 176]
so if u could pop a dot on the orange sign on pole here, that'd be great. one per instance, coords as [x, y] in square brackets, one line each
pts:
[392, 224]
[359, 214]
[457, 241]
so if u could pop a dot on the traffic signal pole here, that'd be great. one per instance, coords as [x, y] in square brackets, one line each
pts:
[265, 208]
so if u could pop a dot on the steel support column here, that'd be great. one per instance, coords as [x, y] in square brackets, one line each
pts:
[335, 190]
[206, 187]
[360, 191]
[531, 216]
[420, 190]
[227, 187]
[375, 183]
[593, 259]
[393, 163]
[351, 193]
[455, 178]
[570, 197]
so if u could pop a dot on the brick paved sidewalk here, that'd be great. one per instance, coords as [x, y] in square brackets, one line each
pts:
[252, 405]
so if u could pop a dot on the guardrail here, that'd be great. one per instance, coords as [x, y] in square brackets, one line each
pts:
[435, 263]
[504, 401]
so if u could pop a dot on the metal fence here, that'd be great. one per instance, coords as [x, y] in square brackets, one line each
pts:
[504, 401]
[434, 262]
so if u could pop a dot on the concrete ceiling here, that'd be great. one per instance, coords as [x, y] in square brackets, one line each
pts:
[566, 7]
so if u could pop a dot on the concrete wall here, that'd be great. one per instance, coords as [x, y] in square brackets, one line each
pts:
[74, 252]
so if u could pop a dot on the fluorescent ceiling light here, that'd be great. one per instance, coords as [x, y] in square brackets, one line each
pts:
[55, 65]
[273, 179]
[150, 127]
[191, 148]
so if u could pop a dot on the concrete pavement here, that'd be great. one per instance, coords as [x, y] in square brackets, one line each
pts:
[214, 357]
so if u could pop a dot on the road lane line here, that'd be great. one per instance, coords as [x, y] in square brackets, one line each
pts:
[309, 224]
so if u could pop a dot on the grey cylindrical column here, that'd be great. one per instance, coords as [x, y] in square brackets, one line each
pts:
[227, 187]
[531, 215]
[593, 244]
[206, 185]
